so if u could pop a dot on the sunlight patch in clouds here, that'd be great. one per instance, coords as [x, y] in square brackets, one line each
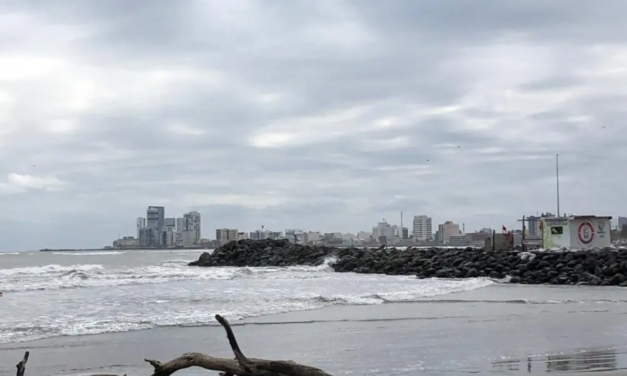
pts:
[18, 183]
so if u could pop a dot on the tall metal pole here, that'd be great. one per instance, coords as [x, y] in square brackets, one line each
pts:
[557, 179]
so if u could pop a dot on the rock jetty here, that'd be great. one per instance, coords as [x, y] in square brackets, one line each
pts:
[265, 252]
[606, 267]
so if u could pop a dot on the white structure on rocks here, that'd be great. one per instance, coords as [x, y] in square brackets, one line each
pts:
[576, 232]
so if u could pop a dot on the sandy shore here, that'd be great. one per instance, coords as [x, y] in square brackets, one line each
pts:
[389, 339]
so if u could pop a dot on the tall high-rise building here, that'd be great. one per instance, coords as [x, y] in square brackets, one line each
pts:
[141, 223]
[155, 217]
[622, 221]
[170, 223]
[192, 224]
[146, 237]
[422, 228]
[180, 224]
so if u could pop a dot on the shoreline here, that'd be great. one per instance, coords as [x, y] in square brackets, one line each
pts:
[345, 339]
[413, 310]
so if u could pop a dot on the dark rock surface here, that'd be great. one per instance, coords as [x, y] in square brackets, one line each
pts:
[605, 267]
[264, 253]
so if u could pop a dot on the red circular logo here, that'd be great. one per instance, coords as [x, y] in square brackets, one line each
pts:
[585, 233]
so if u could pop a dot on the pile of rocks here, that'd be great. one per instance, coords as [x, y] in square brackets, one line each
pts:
[597, 267]
[265, 252]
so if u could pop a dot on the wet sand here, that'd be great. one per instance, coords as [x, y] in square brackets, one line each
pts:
[389, 339]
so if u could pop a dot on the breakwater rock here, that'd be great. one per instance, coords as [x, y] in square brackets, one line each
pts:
[265, 252]
[605, 267]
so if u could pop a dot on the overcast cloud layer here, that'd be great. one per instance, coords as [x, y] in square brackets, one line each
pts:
[320, 115]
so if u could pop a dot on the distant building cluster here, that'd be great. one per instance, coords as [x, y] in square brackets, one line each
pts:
[447, 233]
[157, 231]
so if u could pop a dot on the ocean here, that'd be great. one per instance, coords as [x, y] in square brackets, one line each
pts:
[91, 312]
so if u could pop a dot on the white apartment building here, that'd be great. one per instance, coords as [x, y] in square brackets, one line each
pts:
[168, 237]
[259, 234]
[189, 239]
[225, 235]
[347, 237]
[192, 225]
[422, 228]
[311, 237]
[125, 242]
[141, 223]
[383, 229]
[447, 230]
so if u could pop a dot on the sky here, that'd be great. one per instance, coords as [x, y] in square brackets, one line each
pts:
[325, 115]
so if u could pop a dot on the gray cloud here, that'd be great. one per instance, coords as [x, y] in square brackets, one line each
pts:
[326, 115]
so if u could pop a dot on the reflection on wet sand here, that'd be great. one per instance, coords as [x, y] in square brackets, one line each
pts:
[600, 360]
[588, 360]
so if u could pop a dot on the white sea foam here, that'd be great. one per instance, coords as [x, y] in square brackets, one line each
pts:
[56, 300]
[55, 277]
[90, 253]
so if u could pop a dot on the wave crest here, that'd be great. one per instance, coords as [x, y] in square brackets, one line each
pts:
[55, 277]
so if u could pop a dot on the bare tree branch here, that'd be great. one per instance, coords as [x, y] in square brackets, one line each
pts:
[239, 355]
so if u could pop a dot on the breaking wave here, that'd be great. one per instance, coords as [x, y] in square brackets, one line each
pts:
[173, 294]
[90, 253]
[55, 277]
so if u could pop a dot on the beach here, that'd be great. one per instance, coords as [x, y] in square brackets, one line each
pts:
[344, 324]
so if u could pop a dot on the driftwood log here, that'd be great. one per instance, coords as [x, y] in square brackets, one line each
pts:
[21, 366]
[240, 366]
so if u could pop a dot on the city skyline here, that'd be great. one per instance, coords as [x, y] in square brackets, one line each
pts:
[315, 115]
[421, 228]
[158, 231]
[438, 231]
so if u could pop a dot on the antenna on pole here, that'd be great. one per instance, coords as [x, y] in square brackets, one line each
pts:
[557, 180]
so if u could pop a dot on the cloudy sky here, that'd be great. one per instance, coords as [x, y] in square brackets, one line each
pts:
[320, 115]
